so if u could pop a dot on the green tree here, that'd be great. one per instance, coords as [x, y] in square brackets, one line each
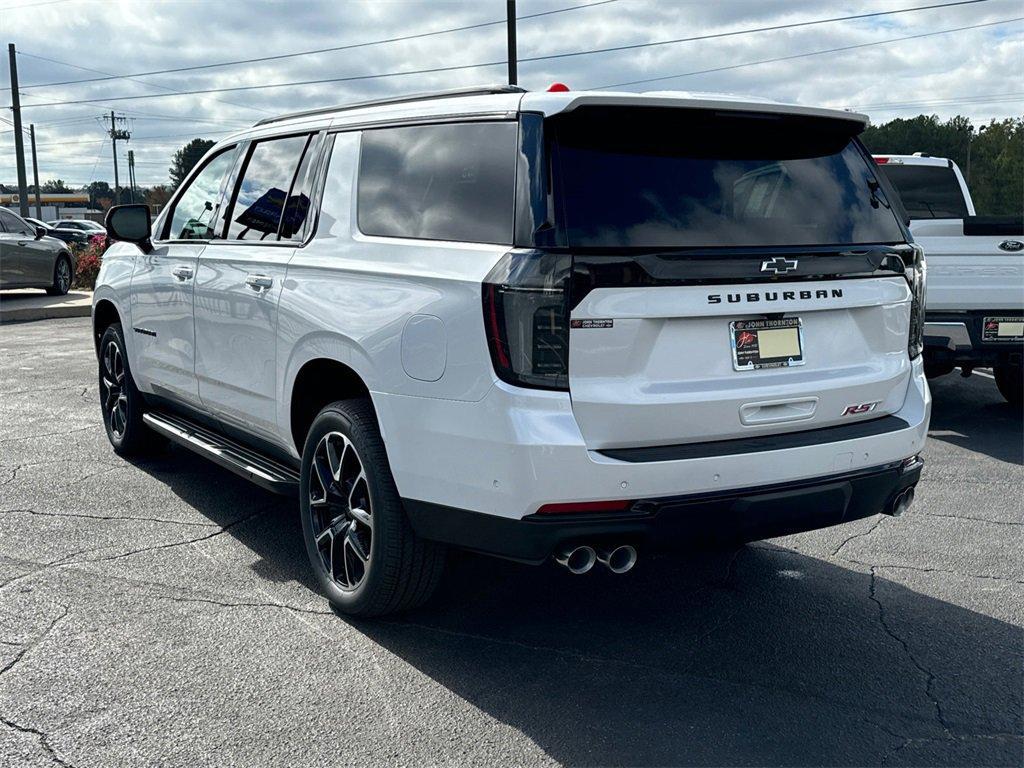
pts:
[98, 190]
[991, 158]
[55, 186]
[186, 158]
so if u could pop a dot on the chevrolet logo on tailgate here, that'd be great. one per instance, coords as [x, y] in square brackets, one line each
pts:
[780, 265]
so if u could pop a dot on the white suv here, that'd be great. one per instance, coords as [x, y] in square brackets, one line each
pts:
[537, 325]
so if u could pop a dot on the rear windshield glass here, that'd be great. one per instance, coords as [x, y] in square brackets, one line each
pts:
[648, 178]
[927, 191]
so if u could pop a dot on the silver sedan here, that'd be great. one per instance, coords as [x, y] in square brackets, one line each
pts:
[31, 259]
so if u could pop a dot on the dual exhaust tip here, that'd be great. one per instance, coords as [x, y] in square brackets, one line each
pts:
[901, 503]
[580, 559]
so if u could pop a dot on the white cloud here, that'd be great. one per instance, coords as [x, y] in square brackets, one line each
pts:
[122, 37]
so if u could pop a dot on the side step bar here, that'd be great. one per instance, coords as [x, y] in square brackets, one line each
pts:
[265, 472]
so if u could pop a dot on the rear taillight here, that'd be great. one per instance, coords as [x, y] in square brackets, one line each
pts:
[526, 318]
[916, 275]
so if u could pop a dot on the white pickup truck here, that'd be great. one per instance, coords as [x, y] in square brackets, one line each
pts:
[974, 313]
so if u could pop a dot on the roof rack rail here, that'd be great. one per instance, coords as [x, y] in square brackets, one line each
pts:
[478, 90]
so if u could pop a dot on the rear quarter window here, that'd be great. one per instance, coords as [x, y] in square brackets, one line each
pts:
[439, 182]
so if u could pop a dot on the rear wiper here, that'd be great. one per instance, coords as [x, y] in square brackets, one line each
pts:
[874, 186]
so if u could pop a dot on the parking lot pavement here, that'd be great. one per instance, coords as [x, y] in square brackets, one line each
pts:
[162, 612]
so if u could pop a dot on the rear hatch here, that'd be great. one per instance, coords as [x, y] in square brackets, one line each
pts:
[732, 275]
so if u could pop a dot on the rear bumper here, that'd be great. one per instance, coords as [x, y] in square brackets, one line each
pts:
[516, 450]
[955, 338]
[663, 524]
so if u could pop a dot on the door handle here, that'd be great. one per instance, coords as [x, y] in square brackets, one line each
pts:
[259, 282]
[182, 273]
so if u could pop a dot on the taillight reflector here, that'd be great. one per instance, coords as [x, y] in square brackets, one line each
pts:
[584, 506]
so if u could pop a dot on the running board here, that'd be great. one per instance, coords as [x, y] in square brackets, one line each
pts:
[265, 472]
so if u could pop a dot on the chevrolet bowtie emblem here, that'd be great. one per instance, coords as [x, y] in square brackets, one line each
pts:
[780, 265]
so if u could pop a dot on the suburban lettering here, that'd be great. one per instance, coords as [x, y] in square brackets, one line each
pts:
[715, 298]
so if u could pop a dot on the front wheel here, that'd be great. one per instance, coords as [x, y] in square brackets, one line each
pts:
[365, 554]
[61, 276]
[1010, 381]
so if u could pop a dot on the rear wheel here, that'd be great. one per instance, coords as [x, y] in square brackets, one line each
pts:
[120, 401]
[1010, 381]
[365, 554]
[61, 276]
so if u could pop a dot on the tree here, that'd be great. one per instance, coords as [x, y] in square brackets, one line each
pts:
[158, 195]
[55, 186]
[991, 158]
[99, 190]
[186, 158]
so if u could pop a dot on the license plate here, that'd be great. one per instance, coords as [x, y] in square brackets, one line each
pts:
[1002, 329]
[766, 343]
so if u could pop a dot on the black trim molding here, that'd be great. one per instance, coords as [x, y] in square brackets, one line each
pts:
[759, 444]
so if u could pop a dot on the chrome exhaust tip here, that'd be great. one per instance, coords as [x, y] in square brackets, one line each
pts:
[577, 560]
[618, 559]
[902, 502]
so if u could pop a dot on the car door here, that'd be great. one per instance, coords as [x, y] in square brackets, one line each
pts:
[240, 279]
[19, 258]
[162, 343]
[38, 255]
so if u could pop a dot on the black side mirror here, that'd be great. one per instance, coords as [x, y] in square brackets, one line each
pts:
[40, 233]
[130, 224]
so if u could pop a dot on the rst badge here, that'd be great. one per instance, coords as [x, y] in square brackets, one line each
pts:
[854, 410]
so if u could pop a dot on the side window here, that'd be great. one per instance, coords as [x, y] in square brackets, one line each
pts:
[439, 182]
[193, 214]
[14, 225]
[264, 188]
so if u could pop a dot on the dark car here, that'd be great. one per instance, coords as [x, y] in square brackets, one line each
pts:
[31, 258]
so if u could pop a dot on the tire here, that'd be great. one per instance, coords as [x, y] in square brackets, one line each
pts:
[1010, 381]
[120, 401]
[62, 276]
[366, 557]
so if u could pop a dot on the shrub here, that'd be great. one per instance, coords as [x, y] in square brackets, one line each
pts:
[89, 258]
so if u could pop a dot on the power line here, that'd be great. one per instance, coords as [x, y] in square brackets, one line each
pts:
[989, 98]
[278, 57]
[773, 28]
[132, 79]
[808, 53]
[502, 62]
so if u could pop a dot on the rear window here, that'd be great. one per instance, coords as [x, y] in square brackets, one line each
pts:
[657, 178]
[927, 191]
[439, 182]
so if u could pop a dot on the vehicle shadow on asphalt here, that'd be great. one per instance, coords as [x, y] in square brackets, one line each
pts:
[972, 415]
[757, 655]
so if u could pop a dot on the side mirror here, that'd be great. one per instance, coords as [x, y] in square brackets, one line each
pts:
[40, 233]
[130, 224]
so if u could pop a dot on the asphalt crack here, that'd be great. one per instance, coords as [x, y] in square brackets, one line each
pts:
[33, 644]
[105, 517]
[861, 535]
[44, 741]
[43, 737]
[928, 674]
[930, 569]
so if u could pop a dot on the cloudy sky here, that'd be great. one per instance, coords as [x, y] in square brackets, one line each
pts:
[976, 72]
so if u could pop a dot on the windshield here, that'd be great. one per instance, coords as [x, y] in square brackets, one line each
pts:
[660, 178]
[927, 191]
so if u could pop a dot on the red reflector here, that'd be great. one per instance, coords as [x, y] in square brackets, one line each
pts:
[584, 506]
[881, 160]
[558, 88]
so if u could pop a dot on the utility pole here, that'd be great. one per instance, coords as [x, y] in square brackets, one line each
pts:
[19, 139]
[115, 134]
[513, 74]
[131, 174]
[35, 172]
